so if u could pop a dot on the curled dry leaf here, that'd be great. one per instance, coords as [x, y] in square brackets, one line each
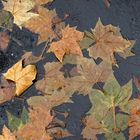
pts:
[134, 122]
[7, 90]
[7, 135]
[108, 40]
[19, 10]
[23, 77]
[42, 24]
[69, 44]
[4, 41]
[36, 129]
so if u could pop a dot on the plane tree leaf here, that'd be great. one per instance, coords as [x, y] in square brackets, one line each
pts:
[108, 40]
[23, 77]
[20, 10]
[16, 123]
[7, 90]
[42, 25]
[69, 43]
[89, 73]
[134, 120]
[7, 134]
[4, 41]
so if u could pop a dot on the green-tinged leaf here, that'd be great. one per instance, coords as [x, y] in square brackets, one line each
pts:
[87, 41]
[6, 19]
[70, 59]
[16, 123]
[121, 123]
[112, 136]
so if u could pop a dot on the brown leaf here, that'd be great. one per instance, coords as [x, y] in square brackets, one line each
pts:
[7, 135]
[89, 73]
[29, 58]
[41, 2]
[92, 128]
[23, 77]
[42, 24]
[4, 41]
[136, 82]
[69, 44]
[7, 90]
[108, 40]
[134, 122]
[35, 130]
[54, 81]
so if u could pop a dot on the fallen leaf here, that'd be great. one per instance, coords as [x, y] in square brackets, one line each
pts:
[92, 128]
[134, 122]
[15, 123]
[42, 24]
[4, 41]
[108, 40]
[23, 77]
[19, 10]
[54, 81]
[69, 44]
[35, 130]
[89, 73]
[6, 20]
[41, 2]
[29, 58]
[7, 90]
[7, 135]
[136, 82]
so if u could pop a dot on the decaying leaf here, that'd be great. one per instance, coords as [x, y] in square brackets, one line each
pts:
[69, 44]
[89, 73]
[16, 123]
[35, 130]
[54, 81]
[134, 122]
[7, 135]
[23, 77]
[92, 128]
[6, 20]
[40, 2]
[108, 40]
[29, 58]
[42, 24]
[4, 41]
[20, 10]
[7, 90]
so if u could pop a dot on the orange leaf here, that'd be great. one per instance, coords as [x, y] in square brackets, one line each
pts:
[69, 44]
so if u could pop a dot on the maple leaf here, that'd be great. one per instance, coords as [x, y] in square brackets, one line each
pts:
[41, 2]
[69, 44]
[19, 10]
[23, 77]
[42, 24]
[89, 73]
[108, 40]
[4, 41]
[7, 135]
[92, 128]
[134, 121]
[54, 81]
[29, 58]
[15, 123]
[35, 130]
[7, 90]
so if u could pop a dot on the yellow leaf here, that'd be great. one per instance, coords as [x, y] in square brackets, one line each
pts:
[23, 77]
[19, 10]
[7, 135]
